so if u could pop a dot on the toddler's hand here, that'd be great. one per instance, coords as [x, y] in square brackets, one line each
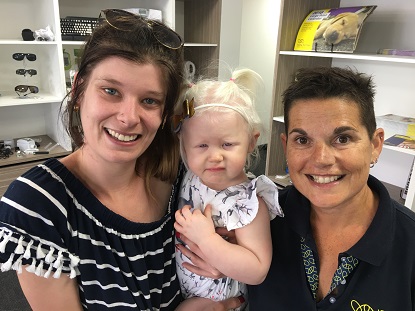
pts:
[194, 225]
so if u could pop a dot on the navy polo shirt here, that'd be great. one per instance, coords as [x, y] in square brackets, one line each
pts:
[383, 280]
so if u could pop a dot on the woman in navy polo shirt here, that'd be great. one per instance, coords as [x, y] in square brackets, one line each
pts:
[343, 244]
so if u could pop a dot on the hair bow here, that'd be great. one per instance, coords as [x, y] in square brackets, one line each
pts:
[187, 112]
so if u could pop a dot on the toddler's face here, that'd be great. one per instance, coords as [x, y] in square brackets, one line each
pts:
[216, 146]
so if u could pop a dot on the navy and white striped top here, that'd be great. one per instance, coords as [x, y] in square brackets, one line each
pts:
[51, 222]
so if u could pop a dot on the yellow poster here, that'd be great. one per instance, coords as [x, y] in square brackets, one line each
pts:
[305, 35]
[332, 30]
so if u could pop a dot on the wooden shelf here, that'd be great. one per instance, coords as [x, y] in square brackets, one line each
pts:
[14, 159]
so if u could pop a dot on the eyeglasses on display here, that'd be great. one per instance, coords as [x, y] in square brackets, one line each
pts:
[5, 152]
[20, 56]
[163, 34]
[23, 72]
[22, 89]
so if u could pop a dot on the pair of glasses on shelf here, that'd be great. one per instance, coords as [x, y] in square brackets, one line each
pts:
[24, 90]
[121, 20]
[21, 56]
[5, 153]
[23, 72]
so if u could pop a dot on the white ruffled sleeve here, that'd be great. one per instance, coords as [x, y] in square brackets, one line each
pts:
[268, 191]
[239, 204]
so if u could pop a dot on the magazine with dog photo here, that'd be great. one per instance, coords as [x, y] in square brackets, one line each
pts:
[402, 141]
[332, 30]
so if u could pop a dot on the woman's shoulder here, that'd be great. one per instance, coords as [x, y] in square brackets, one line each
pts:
[405, 216]
[403, 213]
[48, 189]
[47, 175]
[33, 218]
[37, 175]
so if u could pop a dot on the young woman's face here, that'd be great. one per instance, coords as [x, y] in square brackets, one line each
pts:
[329, 152]
[216, 146]
[121, 109]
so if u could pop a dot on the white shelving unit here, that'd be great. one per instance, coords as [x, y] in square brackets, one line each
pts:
[391, 25]
[357, 56]
[38, 114]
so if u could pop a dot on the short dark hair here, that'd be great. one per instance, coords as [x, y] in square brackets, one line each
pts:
[329, 82]
[139, 45]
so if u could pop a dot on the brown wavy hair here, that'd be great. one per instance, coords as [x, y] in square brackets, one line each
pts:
[139, 45]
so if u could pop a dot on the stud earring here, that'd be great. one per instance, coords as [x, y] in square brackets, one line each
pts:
[372, 164]
[76, 118]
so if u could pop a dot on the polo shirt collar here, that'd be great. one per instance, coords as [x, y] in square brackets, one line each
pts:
[375, 243]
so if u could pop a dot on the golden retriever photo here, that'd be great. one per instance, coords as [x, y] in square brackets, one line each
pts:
[339, 32]
[341, 27]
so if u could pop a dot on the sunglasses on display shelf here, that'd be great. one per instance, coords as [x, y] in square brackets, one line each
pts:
[5, 152]
[121, 20]
[21, 89]
[20, 56]
[23, 72]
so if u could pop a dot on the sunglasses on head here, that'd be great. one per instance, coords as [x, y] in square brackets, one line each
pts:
[163, 34]
[23, 72]
[21, 89]
[21, 56]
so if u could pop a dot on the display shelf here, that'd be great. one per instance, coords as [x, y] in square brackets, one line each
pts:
[25, 14]
[48, 78]
[57, 151]
[399, 149]
[21, 42]
[356, 56]
[6, 99]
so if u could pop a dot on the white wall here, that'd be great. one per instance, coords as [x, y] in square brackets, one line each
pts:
[256, 29]
[230, 37]
[260, 21]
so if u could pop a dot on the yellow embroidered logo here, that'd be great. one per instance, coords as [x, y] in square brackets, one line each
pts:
[361, 307]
